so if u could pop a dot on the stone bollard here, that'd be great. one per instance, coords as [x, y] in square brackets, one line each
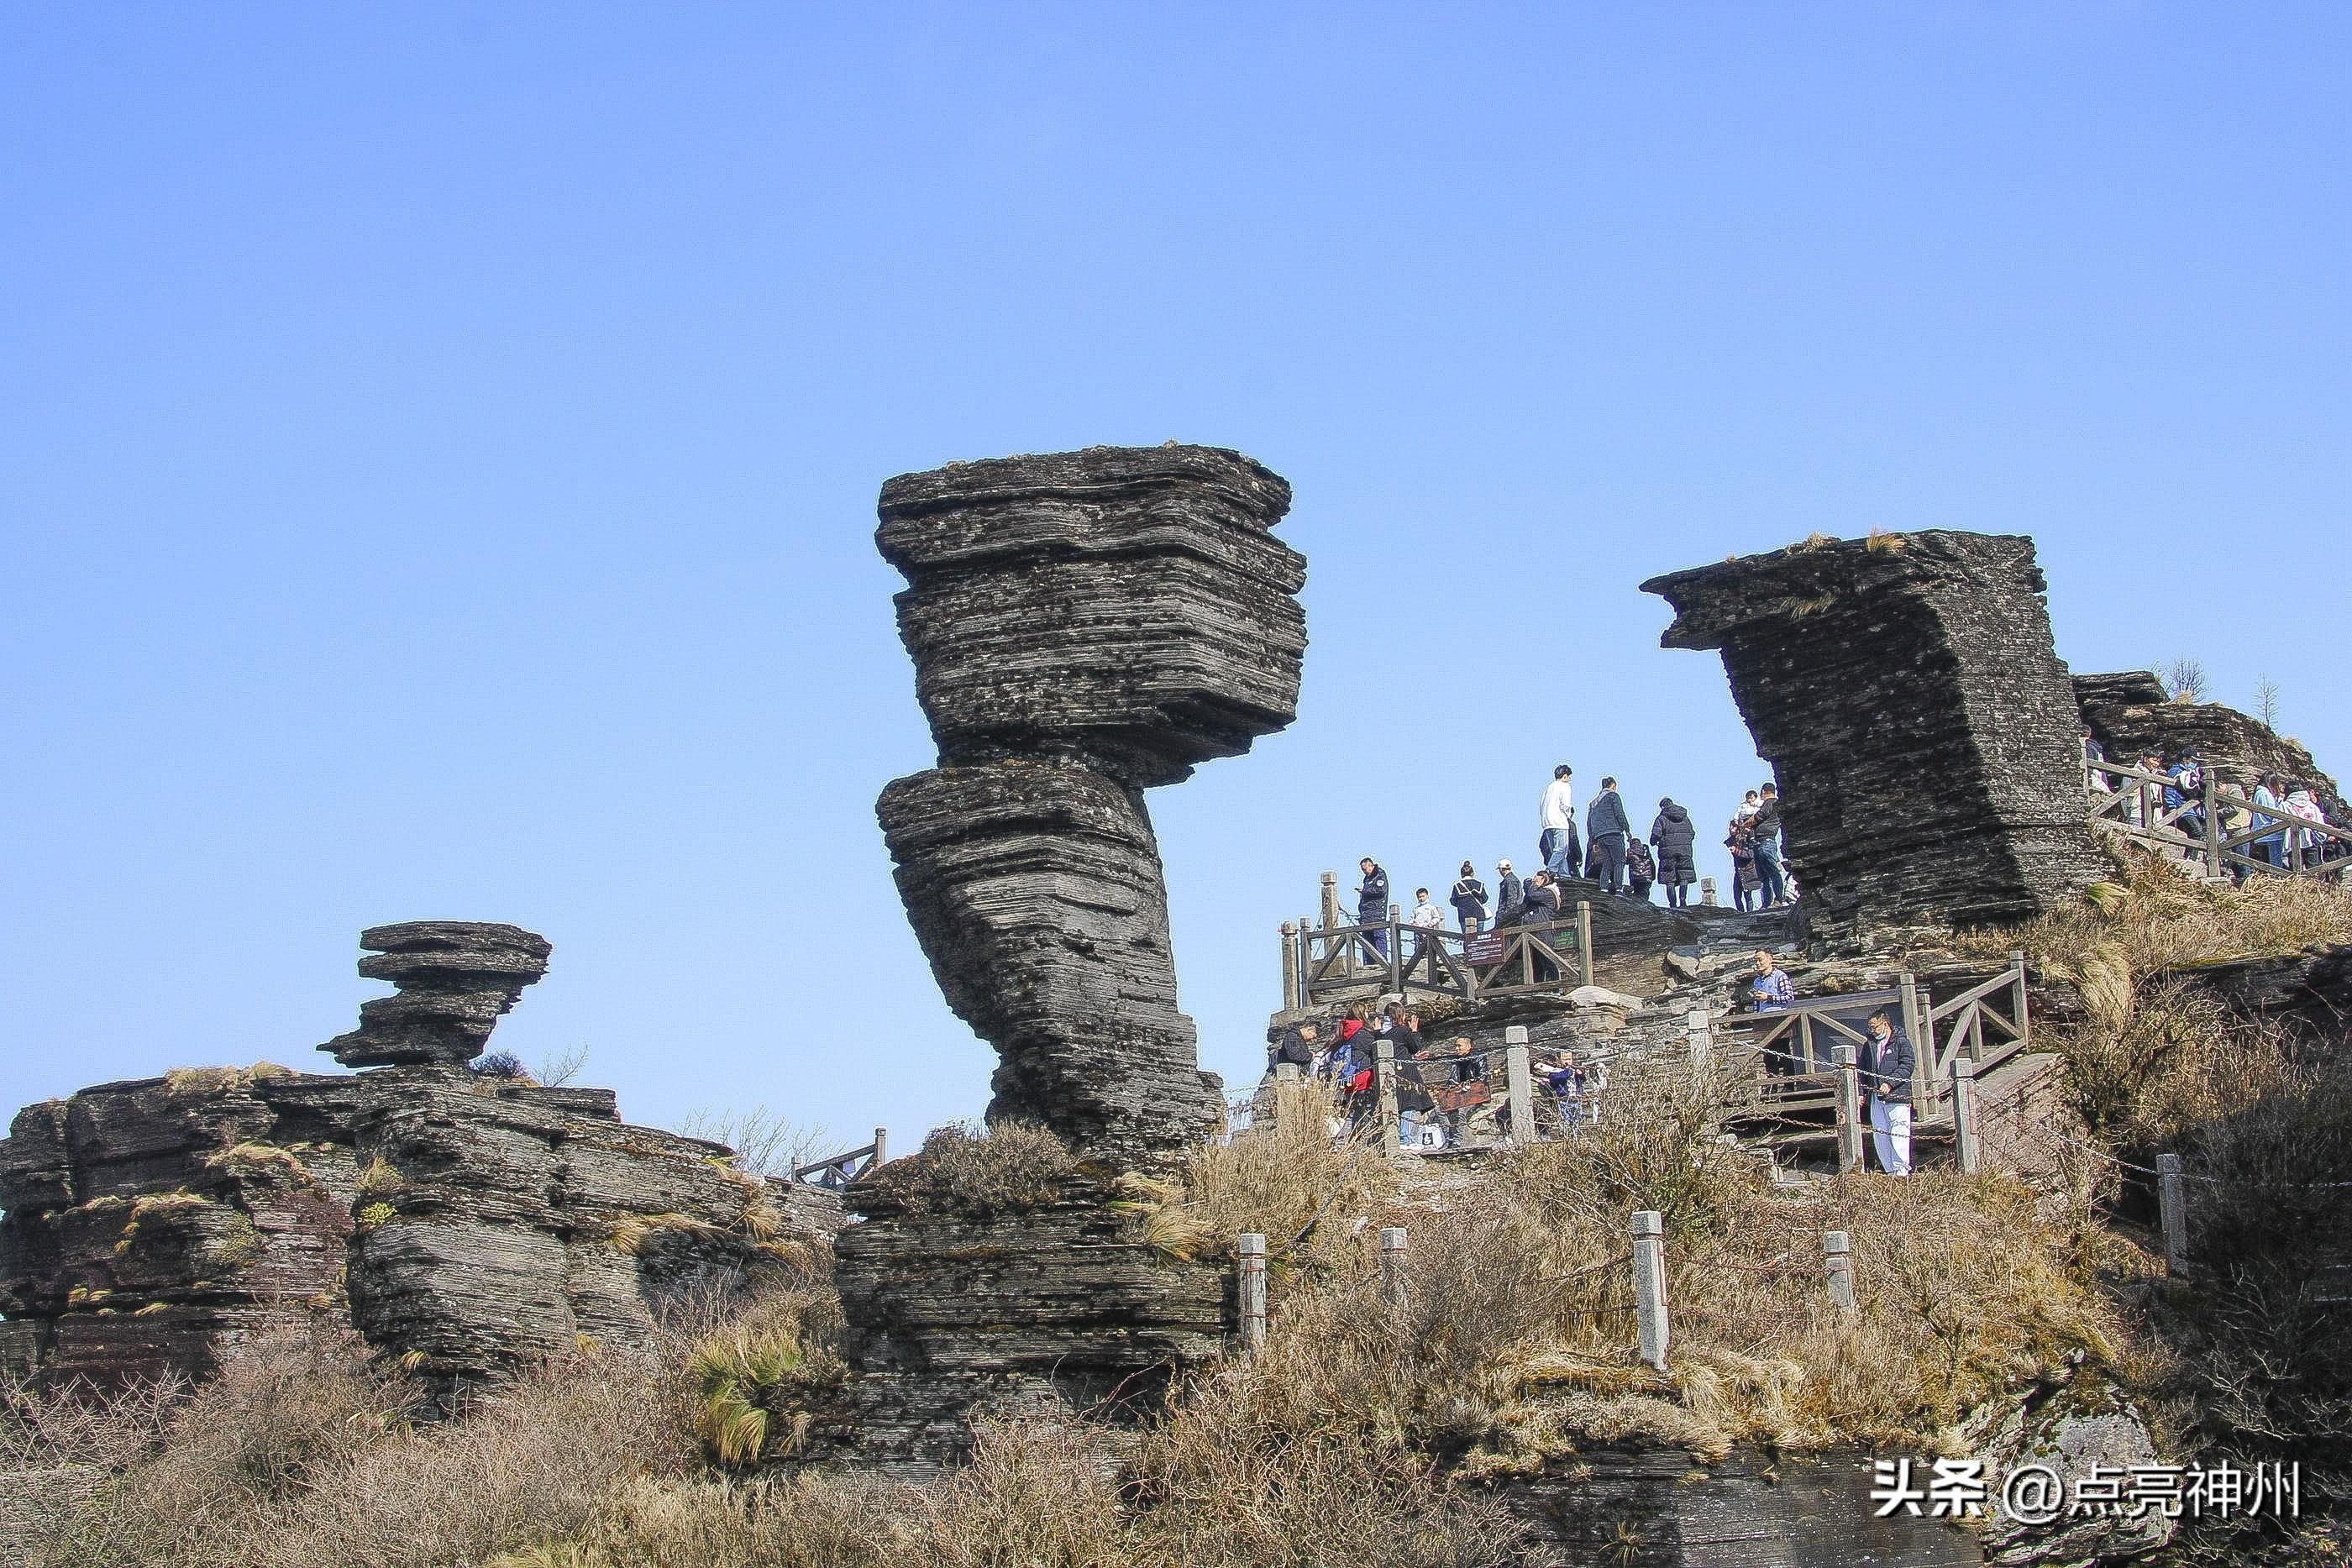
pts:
[1393, 1290]
[1849, 1120]
[881, 1148]
[1964, 1115]
[1700, 1027]
[1251, 1251]
[1706, 892]
[1290, 998]
[1519, 1083]
[1650, 1285]
[2172, 1204]
[1837, 1255]
[1584, 938]
[1384, 1083]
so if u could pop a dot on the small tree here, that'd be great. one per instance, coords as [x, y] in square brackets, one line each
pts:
[2266, 701]
[2184, 680]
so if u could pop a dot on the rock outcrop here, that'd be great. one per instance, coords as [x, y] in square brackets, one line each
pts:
[1082, 625]
[1923, 732]
[468, 1223]
[2130, 716]
[456, 980]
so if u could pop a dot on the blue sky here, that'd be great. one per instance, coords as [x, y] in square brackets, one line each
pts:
[438, 448]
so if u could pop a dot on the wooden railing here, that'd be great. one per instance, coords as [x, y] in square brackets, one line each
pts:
[1340, 963]
[2133, 800]
[840, 1170]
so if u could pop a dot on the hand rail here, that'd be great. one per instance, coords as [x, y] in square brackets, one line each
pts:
[873, 1155]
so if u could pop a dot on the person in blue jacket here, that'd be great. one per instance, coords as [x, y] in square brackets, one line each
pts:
[1372, 906]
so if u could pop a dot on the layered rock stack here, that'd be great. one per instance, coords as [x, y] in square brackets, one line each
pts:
[1907, 694]
[466, 1223]
[1084, 626]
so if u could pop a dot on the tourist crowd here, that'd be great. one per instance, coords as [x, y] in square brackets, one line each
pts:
[1608, 851]
[2274, 809]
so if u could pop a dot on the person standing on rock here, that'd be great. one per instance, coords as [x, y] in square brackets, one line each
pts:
[1887, 1063]
[1558, 841]
[1469, 899]
[1767, 828]
[1510, 896]
[1607, 827]
[1741, 842]
[1640, 871]
[1541, 908]
[1373, 906]
[1425, 918]
[1675, 838]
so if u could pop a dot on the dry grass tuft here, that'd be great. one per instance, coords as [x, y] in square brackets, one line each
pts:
[965, 1170]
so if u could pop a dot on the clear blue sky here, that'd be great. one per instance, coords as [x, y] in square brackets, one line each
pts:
[438, 448]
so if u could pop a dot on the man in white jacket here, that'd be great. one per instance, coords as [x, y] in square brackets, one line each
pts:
[1559, 841]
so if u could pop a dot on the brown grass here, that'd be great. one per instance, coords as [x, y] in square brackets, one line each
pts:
[977, 1172]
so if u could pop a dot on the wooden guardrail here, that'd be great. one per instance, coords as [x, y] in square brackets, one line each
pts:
[2132, 800]
[839, 1170]
[1333, 962]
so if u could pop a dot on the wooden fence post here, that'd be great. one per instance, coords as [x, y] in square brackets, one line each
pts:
[2212, 828]
[1330, 908]
[1650, 1285]
[1306, 963]
[1519, 1083]
[1393, 1274]
[881, 1148]
[1837, 1255]
[2172, 1202]
[1849, 1125]
[2020, 1005]
[1584, 936]
[1384, 1083]
[1251, 1251]
[1289, 965]
[1396, 951]
[1964, 1115]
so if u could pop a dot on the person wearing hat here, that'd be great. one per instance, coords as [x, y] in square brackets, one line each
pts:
[1508, 895]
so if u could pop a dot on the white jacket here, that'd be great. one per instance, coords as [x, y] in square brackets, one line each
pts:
[1425, 913]
[1558, 804]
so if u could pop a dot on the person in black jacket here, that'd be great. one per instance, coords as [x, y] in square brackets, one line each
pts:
[1297, 1045]
[1640, 871]
[1510, 896]
[1672, 832]
[1541, 908]
[1765, 828]
[1886, 1065]
[1372, 906]
[1469, 900]
[1606, 829]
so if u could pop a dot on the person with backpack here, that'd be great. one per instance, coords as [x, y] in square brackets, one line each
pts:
[2186, 794]
[1674, 834]
[1640, 871]
[1469, 899]
[1744, 882]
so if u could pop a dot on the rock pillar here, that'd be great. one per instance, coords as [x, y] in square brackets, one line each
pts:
[1924, 733]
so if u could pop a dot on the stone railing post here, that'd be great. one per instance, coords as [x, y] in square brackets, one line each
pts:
[1331, 907]
[1307, 962]
[2172, 1204]
[1584, 938]
[1837, 1255]
[2212, 828]
[2018, 1000]
[1698, 1025]
[1396, 950]
[1849, 1121]
[1964, 1115]
[1706, 892]
[1519, 1075]
[1251, 1251]
[1393, 1290]
[1289, 965]
[1650, 1285]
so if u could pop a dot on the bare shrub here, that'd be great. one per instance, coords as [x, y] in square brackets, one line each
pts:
[766, 1143]
[1283, 1172]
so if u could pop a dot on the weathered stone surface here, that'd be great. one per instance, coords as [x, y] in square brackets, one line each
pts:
[1035, 890]
[2130, 717]
[1123, 606]
[2078, 1430]
[2309, 993]
[1923, 732]
[950, 1314]
[150, 1224]
[1659, 1507]
[456, 980]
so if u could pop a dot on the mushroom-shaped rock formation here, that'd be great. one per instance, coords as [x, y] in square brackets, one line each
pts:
[1082, 625]
[1906, 691]
[456, 980]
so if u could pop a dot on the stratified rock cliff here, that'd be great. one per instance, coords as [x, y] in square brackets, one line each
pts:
[468, 1223]
[1082, 625]
[1907, 694]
